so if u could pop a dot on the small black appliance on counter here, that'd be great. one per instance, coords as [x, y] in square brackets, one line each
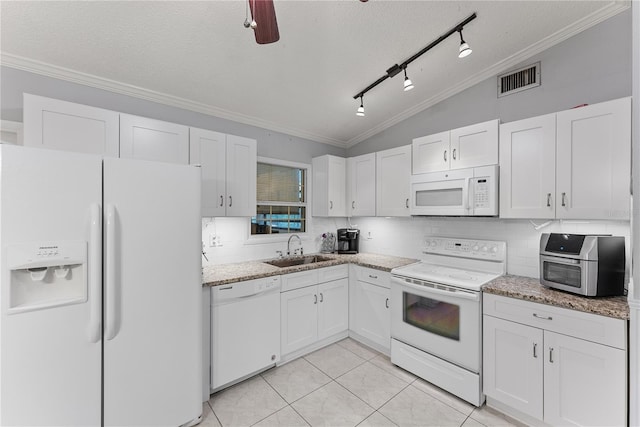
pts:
[589, 265]
[348, 240]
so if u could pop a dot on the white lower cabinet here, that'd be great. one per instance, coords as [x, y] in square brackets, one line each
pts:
[538, 370]
[314, 306]
[369, 313]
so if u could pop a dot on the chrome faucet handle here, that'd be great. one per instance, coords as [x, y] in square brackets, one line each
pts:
[279, 254]
[301, 251]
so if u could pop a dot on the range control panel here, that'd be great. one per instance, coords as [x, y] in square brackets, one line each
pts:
[478, 249]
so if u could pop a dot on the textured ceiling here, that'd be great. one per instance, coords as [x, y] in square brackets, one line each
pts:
[198, 55]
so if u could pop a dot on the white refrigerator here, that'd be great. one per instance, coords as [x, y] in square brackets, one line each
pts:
[100, 288]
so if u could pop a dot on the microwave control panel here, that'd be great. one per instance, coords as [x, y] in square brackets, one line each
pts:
[465, 248]
[481, 193]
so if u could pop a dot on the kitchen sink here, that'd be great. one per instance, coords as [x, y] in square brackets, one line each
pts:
[290, 262]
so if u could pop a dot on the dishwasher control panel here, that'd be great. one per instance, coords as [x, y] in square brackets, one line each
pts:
[247, 288]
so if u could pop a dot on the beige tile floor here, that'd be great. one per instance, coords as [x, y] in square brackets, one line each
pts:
[344, 384]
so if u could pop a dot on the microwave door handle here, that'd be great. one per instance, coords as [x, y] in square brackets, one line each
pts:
[467, 197]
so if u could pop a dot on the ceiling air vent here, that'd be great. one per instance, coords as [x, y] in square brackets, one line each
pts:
[519, 80]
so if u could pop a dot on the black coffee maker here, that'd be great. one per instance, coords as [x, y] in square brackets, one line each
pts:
[348, 239]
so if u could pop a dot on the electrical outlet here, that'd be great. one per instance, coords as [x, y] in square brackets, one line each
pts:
[213, 241]
[369, 235]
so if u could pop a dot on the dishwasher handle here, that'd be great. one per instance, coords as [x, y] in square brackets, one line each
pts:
[225, 294]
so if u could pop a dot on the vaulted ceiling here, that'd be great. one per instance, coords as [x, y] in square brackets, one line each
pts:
[199, 56]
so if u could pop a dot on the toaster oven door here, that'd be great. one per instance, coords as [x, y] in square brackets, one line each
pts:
[569, 274]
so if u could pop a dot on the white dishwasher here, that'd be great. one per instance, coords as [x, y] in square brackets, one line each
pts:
[245, 329]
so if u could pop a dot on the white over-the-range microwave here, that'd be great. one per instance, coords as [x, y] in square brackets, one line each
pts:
[461, 192]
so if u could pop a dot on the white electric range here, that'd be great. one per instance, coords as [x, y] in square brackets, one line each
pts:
[436, 313]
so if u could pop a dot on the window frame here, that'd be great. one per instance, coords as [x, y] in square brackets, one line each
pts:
[256, 239]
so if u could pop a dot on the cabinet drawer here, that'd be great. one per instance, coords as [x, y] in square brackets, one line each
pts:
[591, 327]
[299, 280]
[327, 274]
[373, 276]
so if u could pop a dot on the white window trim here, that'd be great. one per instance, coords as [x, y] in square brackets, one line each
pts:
[258, 239]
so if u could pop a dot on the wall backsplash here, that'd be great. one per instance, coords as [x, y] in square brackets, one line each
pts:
[405, 237]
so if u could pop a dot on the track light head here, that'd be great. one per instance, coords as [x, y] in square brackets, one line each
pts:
[464, 49]
[408, 85]
[360, 111]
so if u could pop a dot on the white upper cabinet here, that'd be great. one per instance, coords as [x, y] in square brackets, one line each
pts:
[242, 175]
[393, 181]
[528, 168]
[148, 139]
[361, 183]
[60, 125]
[475, 145]
[208, 149]
[593, 157]
[572, 164]
[329, 186]
[431, 153]
[229, 172]
[465, 147]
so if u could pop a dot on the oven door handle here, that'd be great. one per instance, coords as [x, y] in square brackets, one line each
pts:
[452, 292]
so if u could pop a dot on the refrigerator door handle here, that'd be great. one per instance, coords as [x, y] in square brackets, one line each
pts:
[95, 276]
[111, 312]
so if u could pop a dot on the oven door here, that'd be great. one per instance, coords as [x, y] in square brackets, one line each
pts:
[438, 319]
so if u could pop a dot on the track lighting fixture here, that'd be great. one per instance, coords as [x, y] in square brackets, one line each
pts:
[463, 51]
[408, 85]
[360, 111]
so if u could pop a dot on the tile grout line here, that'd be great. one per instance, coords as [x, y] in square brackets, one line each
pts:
[214, 412]
[441, 401]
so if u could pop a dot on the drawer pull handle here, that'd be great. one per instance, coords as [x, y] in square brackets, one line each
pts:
[542, 317]
[550, 354]
[372, 276]
[386, 303]
[535, 350]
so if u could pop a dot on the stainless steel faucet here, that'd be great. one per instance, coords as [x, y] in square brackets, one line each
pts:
[289, 244]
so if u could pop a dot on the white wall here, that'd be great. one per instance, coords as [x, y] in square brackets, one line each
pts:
[406, 236]
[233, 234]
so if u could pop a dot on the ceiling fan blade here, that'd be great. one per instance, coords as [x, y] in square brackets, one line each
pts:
[264, 14]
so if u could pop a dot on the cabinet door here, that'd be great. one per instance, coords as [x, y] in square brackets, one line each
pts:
[333, 307]
[431, 153]
[584, 382]
[242, 167]
[593, 161]
[361, 177]
[60, 125]
[393, 181]
[298, 319]
[475, 145]
[513, 365]
[147, 139]
[337, 186]
[528, 168]
[208, 149]
[372, 317]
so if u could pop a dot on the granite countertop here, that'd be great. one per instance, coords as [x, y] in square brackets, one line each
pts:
[216, 275]
[529, 289]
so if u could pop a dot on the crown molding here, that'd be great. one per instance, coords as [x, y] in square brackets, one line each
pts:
[61, 73]
[585, 23]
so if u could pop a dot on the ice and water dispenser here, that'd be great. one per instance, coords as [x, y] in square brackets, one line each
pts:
[43, 275]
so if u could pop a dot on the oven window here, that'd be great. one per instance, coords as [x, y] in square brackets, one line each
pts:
[447, 197]
[438, 317]
[568, 275]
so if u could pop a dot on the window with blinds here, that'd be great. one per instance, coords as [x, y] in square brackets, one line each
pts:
[281, 200]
